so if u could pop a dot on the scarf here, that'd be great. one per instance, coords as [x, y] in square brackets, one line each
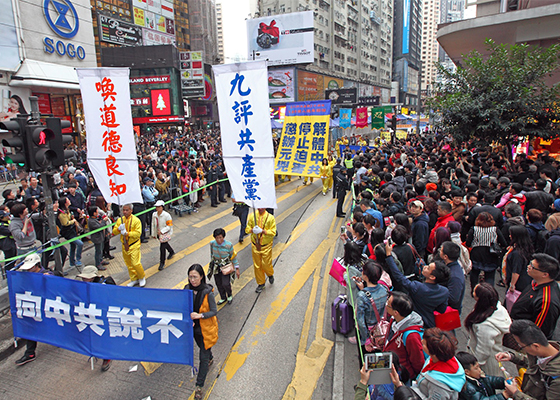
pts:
[199, 296]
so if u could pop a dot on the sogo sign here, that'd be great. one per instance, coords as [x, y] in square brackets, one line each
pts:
[63, 19]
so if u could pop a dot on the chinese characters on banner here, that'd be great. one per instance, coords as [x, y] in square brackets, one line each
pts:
[111, 149]
[345, 120]
[305, 138]
[378, 116]
[105, 321]
[361, 117]
[242, 91]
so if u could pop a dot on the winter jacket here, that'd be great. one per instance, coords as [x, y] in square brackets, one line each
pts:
[208, 324]
[159, 222]
[465, 258]
[430, 176]
[456, 286]
[94, 224]
[365, 315]
[486, 339]
[420, 232]
[22, 240]
[489, 208]
[426, 297]
[441, 222]
[533, 386]
[552, 247]
[7, 242]
[540, 304]
[540, 200]
[458, 212]
[407, 346]
[519, 220]
[440, 380]
[483, 388]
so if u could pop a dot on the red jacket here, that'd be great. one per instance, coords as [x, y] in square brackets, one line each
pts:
[441, 222]
[411, 354]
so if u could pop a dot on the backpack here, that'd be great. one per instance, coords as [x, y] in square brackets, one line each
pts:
[539, 241]
[406, 333]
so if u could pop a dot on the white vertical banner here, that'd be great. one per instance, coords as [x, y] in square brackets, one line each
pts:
[111, 149]
[247, 148]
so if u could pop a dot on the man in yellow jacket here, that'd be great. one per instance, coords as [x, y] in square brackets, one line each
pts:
[262, 231]
[130, 229]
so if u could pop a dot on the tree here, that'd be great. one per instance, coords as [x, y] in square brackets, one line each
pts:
[502, 97]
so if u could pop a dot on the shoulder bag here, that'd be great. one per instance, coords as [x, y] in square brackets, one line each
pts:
[379, 331]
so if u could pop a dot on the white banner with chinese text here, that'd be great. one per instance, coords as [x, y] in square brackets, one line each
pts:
[111, 150]
[248, 152]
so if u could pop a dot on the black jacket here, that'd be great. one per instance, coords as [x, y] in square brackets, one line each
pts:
[482, 389]
[552, 247]
[540, 200]
[489, 208]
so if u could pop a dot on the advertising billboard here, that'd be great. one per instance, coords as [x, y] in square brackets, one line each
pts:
[281, 85]
[192, 74]
[281, 39]
[112, 30]
[342, 96]
[312, 86]
[406, 26]
[161, 103]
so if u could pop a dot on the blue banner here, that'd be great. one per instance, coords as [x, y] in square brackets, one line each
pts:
[406, 26]
[106, 321]
[345, 117]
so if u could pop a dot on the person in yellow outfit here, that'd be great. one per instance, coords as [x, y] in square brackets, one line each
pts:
[332, 163]
[337, 146]
[262, 231]
[324, 173]
[130, 229]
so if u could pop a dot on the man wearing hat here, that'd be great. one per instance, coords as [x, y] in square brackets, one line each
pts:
[420, 227]
[31, 263]
[91, 274]
[162, 229]
[130, 227]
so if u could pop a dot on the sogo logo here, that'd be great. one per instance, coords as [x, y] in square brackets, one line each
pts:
[64, 25]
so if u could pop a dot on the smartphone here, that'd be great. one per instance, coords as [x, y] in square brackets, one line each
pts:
[390, 241]
[452, 170]
[342, 229]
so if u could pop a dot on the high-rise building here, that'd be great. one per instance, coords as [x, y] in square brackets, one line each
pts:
[182, 26]
[430, 47]
[203, 31]
[406, 50]
[220, 32]
[353, 38]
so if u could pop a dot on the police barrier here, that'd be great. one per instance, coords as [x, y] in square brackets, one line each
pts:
[105, 321]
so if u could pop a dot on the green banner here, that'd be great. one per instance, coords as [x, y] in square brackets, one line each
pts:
[378, 116]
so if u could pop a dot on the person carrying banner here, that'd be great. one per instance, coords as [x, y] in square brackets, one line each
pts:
[31, 263]
[130, 229]
[205, 328]
[90, 274]
[262, 227]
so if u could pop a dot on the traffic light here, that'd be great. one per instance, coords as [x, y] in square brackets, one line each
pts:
[57, 143]
[40, 154]
[393, 125]
[17, 142]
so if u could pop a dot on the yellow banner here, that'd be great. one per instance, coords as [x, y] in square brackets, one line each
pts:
[139, 16]
[303, 145]
[386, 135]
[401, 134]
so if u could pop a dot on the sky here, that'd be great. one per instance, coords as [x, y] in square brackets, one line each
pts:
[234, 13]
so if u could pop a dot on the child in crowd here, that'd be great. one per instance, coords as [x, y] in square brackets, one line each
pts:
[478, 386]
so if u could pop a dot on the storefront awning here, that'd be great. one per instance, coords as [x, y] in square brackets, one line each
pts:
[34, 73]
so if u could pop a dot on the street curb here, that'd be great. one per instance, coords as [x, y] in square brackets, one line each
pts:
[338, 373]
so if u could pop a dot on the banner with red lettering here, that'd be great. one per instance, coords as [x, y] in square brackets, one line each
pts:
[361, 117]
[111, 149]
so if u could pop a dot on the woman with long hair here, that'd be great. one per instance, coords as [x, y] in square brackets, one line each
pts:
[486, 324]
[15, 107]
[442, 235]
[517, 258]
[68, 226]
[324, 173]
[480, 238]
[430, 207]
[353, 261]
[205, 322]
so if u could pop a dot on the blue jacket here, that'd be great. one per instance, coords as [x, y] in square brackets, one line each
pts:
[420, 232]
[456, 286]
[426, 297]
[365, 316]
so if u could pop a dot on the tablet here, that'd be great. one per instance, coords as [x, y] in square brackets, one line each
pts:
[380, 365]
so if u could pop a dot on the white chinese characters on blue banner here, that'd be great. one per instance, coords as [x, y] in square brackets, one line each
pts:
[246, 132]
[345, 117]
[105, 321]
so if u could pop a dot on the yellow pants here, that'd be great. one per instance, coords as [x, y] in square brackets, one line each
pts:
[330, 181]
[262, 263]
[307, 177]
[132, 259]
[325, 184]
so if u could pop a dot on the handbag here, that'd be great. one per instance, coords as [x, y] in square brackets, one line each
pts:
[496, 249]
[511, 298]
[164, 237]
[337, 272]
[379, 331]
[227, 269]
[448, 320]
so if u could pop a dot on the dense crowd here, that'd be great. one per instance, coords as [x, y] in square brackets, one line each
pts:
[435, 222]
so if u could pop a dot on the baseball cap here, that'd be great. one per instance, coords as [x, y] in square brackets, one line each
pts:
[417, 203]
[30, 261]
[89, 271]
[159, 203]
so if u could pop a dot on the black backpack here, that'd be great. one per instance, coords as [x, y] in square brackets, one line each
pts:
[539, 241]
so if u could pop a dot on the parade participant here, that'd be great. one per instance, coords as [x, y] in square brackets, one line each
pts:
[262, 227]
[31, 263]
[90, 274]
[222, 254]
[325, 173]
[129, 227]
[205, 322]
[241, 210]
[162, 229]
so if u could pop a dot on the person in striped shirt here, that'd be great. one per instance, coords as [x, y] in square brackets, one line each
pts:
[540, 301]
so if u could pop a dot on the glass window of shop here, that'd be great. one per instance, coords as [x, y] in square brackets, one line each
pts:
[154, 78]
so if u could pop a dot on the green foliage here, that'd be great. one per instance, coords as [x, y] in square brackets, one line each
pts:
[502, 96]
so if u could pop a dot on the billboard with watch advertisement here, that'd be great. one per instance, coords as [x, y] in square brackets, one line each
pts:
[281, 39]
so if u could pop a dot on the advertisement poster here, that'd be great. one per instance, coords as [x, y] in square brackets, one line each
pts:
[154, 38]
[312, 86]
[112, 30]
[139, 18]
[281, 39]
[305, 138]
[342, 96]
[281, 85]
[192, 74]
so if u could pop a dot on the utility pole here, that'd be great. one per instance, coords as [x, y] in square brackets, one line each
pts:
[419, 102]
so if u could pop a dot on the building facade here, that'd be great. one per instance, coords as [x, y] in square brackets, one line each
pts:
[220, 32]
[203, 30]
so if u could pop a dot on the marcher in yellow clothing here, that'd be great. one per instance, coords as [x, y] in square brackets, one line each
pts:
[324, 173]
[332, 163]
[130, 229]
[337, 146]
[262, 234]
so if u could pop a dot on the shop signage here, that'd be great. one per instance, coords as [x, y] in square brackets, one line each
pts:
[140, 101]
[161, 104]
[369, 100]
[112, 30]
[150, 80]
[192, 73]
[156, 120]
[63, 19]
[342, 96]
